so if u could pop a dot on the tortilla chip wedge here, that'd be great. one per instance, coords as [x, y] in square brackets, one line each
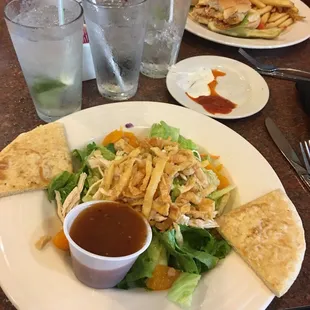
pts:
[268, 234]
[33, 159]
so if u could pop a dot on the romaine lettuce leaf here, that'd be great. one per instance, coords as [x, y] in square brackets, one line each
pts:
[82, 154]
[145, 264]
[187, 143]
[107, 154]
[164, 131]
[180, 260]
[198, 252]
[111, 148]
[212, 178]
[218, 194]
[64, 183]
[183, 288]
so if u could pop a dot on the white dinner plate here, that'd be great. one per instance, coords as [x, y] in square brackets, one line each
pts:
[43, 280]
[242, 85]
[299, 32]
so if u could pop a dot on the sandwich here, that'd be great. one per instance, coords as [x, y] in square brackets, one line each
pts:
[231, 17]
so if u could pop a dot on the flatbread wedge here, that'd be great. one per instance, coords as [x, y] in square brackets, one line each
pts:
[268, 234]
[31, 160]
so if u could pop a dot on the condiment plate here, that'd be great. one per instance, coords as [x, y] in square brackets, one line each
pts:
[242, 85]
[44, 280]
[295, 34]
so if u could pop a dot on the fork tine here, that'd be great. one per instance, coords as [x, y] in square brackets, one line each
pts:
[307, 149]
[304, 156]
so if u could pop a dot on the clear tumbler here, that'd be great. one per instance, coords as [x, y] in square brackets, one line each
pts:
[116, 30]
[48, 43]
[166, 22]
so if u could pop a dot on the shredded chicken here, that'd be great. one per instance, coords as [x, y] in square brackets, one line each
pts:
[42, 242]
[164, 182]
[72, 199]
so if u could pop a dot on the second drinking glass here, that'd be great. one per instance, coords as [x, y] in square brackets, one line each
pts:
[116, 32]
[166, 22]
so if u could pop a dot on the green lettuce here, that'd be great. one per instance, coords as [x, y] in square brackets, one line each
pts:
[183, 288]
[175, 192]
[212, 178]
[111, 148]
[164, 131]
[83, 154]
[145, 264]
[199, 252]
[187, 143]
[64, 183]
[242, 31]
[219, 193]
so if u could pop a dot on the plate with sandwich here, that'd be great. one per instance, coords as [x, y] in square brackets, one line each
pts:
[258, 24]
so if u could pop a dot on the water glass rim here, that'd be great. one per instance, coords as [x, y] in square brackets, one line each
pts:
[116, 6]
[43, 27]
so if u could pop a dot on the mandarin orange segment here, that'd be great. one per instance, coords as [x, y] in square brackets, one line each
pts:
[163, 277]
[224, 182]
[60, 241]
[116, 135]
[112, 137]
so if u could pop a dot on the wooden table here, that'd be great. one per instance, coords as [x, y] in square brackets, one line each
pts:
[18, 115]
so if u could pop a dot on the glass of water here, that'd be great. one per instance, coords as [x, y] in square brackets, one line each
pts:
[116, 30]
[166, 22]
[48, 44]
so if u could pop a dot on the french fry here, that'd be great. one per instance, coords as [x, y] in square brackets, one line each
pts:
[264, 19]
[274, 10]
[266, 9]
[258, 3]
[278, 22]
[279, 3]
[294, 9]
[279, 9]
[287, 23]
[276, 16]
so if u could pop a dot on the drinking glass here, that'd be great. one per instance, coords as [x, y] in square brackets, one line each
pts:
[48, 43]
[116, 30]
[166, 22]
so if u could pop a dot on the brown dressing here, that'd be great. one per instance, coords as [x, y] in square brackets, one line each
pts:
[215, 104]
[109, 229]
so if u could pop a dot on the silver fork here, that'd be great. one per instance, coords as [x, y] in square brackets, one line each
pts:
[304, 147]
[285, 73]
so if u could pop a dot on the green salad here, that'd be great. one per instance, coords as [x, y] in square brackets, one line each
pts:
[178, 187]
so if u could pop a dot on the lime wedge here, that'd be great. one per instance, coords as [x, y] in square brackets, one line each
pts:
[47, 92]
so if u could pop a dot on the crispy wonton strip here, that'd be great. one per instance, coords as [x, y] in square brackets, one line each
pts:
[42, 242]
[151, 189]
[165, 188]
[158, 152]
[148, 172]
[109, 177]
[124, 177]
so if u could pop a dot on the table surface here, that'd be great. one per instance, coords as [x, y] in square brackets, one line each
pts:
[18, 115]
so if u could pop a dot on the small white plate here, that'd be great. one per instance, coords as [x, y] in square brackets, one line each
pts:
[242, 85]
[295, 34]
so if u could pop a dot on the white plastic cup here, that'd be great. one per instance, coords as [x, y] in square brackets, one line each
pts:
[98, 271]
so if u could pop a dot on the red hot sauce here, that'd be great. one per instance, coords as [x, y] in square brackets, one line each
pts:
[215, 104]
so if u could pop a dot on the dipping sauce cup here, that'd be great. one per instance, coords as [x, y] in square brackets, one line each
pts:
[95, 270]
